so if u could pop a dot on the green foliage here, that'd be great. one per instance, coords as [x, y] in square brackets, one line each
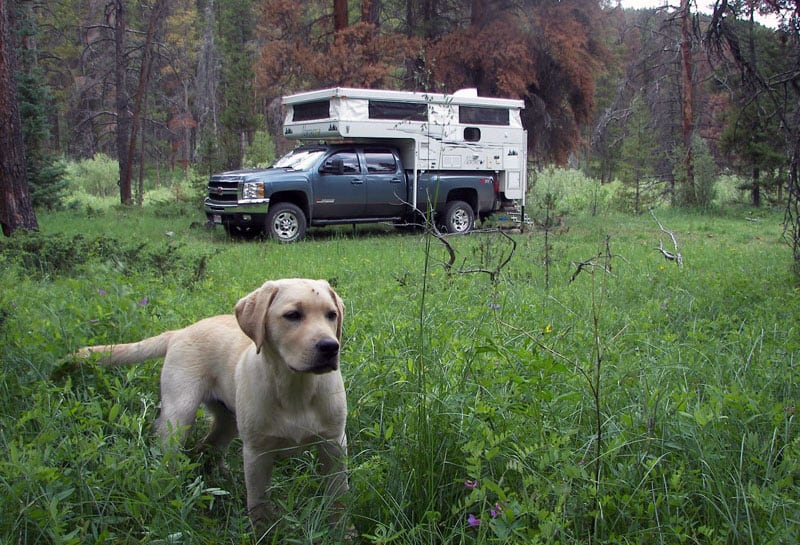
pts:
[48, 183]
[728, 190]
[261, 152]
[638, 159]
[45, 256]
[45, 169]
[750, 138]
[568, 191]
[236, 36]
[702, 191]
[468, 400]
[98, 176]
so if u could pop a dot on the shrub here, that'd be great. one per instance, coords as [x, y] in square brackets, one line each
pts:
[568, 191]
[98, 176]
[728, 190]
[702, 192]
[48, 256]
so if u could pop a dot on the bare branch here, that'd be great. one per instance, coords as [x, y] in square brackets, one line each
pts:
[494, 273]
[669, 256]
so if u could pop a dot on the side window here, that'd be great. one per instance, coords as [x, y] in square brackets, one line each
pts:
[341, 162]
[380, 161]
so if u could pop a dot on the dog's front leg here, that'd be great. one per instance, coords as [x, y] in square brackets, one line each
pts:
[257, 478]
[333, 464]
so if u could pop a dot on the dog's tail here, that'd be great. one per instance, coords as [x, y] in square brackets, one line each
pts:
[125, 354]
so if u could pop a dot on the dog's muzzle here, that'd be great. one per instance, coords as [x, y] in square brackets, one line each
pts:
[327, 356]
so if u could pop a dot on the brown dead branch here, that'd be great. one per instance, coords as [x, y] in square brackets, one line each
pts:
[601, 261]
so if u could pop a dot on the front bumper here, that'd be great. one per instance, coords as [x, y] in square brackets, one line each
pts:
[239, 214]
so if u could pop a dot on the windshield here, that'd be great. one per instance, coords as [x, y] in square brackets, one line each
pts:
[299, 159]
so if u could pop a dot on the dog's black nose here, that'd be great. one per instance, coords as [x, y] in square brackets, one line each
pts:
[328, 347]
[328, 356]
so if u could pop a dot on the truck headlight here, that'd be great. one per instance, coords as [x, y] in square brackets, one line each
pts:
[253, 190]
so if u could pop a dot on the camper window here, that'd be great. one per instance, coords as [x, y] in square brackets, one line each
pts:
[311, 110]
[406, 111]
[482, 116]
[472, 134]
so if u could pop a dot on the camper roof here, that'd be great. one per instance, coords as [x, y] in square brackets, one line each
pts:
[465, 97]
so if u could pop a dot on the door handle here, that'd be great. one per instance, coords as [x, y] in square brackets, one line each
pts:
[356, 181]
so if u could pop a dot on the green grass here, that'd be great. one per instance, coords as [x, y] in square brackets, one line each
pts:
[466, 397]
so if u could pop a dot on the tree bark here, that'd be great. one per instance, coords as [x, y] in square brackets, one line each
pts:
[478, 13]
[687, 110]
[340, 21]
[122, 102]
[755, 190]
[16, 210]
[156, 15]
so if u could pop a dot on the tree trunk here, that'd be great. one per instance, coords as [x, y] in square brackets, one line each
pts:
[755, 190]
[370, 12]
[340, 21]
[687, 112]
[16, 210]
[478, 13]
[122, 102]
[156, 15]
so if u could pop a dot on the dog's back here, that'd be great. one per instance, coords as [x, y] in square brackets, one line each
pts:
[223, 328]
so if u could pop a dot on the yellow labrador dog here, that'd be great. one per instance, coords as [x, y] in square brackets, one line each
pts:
[271, 371]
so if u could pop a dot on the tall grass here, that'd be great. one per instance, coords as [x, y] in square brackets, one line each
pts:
[642, 403]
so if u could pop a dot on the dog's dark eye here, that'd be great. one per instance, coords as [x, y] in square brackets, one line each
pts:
[293, 315]
[332, 315]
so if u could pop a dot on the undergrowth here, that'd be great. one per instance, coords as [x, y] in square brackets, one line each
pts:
[641, 403]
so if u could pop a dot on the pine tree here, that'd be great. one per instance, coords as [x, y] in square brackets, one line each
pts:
[48, 184]
[238, 117]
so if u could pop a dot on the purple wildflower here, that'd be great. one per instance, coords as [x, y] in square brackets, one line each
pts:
[471, 483]
[473, 521]
[496, 511]
[143, 302]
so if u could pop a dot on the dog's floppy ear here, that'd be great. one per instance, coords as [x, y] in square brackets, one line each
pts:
[340, 306]
[251, 312]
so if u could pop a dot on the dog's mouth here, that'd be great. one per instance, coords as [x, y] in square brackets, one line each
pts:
[318, 368]
[324, 359]
[325, 368]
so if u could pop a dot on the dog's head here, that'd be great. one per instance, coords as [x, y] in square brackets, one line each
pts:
[296, 321]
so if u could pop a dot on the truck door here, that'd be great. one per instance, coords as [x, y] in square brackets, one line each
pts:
[340, 190]
[386, 183]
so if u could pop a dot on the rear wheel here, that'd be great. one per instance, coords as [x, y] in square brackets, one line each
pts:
[458, 217]
[286, 222]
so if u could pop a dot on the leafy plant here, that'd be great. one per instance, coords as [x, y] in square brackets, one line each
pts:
[98, 176]
[472, 416]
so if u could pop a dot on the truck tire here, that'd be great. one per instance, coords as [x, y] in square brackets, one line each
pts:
[458, 217]
[286, 222]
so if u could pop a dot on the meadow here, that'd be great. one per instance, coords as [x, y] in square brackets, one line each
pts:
[587, 390]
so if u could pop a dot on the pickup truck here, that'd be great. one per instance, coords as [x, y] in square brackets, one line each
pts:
[319, 185]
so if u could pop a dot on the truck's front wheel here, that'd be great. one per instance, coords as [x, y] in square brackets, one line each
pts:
[286, 222]
[458, 217]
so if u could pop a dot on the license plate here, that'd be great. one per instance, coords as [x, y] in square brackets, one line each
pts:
[217, 218]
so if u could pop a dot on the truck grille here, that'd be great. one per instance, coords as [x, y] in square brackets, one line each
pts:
[223, 189]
